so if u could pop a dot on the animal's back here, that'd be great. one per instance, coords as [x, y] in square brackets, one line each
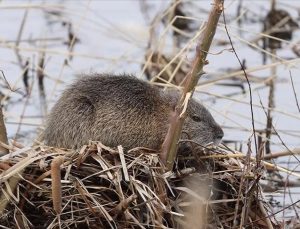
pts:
[112, 109]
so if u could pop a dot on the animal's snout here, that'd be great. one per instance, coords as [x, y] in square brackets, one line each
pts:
[220, 134]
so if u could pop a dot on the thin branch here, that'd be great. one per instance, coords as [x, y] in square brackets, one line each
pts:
[3, 134]
[295, 95]
[271, 104]
[246, 76]
[170, 144]
[7, 83]
[282, 142]
[273, 214]
[19, 58]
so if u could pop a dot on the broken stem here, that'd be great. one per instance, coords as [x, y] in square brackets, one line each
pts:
[170, 144]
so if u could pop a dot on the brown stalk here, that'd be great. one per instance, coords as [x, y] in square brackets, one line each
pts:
[3, 135]
[40, 77]
[26, 77]
[56, 183]
[85, 199]
[40, 72]
[19, 58]
[124, 204]
[13, 181]
[294, 91]
[267, 219]
[169, 146]
[273, 4]
[270, 105]
[12, 185]
[281, 154]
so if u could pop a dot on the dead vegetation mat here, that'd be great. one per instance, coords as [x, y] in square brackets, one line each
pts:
[100, 187]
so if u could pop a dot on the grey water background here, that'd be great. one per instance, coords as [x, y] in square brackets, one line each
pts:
[113, 38]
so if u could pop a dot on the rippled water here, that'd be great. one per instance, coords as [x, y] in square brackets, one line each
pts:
[113, 38]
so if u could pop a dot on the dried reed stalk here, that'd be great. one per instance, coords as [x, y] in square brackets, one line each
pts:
[282, 154]
[56, 183]
[3, 135]
[271, 104]
[170, 144]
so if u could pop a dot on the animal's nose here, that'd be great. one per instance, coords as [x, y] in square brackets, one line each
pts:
[220, 134]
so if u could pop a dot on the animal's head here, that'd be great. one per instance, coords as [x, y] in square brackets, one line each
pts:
[200, 126]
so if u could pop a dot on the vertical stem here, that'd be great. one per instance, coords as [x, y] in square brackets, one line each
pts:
[273, 4]
[19, 58]
[40, 72]
[56, 184]
[40, 78]
[3, 134]
[170, 144]
[26, 77]
[270, 104]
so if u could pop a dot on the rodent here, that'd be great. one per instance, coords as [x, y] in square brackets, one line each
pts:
[122, 110]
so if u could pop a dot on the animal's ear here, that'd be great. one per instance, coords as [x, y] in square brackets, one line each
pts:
[85, 105]
[86, 101]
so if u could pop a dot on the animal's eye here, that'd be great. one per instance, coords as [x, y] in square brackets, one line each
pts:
[196, 118]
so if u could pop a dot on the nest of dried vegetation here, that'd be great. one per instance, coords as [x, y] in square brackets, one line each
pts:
[100, 187]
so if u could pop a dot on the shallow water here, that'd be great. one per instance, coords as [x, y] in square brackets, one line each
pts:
[113, 38]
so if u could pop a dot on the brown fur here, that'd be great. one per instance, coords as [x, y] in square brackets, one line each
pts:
[122, 110]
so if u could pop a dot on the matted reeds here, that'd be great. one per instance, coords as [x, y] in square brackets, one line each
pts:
[101, 187]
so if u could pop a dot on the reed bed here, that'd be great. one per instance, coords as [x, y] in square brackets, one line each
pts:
[102, 187]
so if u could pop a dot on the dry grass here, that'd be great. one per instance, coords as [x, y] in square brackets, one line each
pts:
[102, 187]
